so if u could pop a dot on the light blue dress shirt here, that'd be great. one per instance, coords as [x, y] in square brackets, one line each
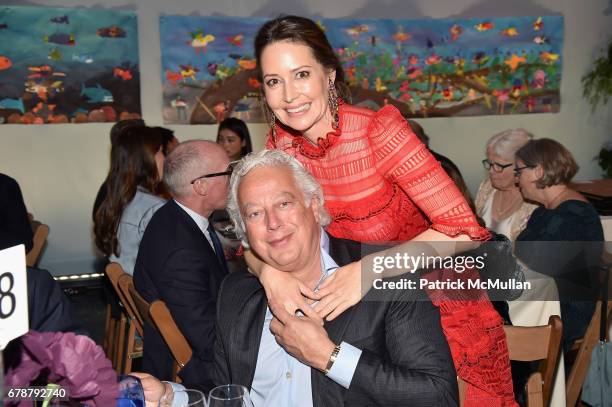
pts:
[280, 379]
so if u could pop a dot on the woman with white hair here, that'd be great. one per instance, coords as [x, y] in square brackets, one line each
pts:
[499, 201]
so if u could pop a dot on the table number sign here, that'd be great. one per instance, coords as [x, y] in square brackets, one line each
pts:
[13, 294]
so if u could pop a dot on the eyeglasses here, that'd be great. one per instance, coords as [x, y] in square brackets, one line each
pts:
[497, 167]
[519, 170]
[228, 172]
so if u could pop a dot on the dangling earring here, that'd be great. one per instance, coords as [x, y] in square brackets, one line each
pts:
[273, 125]
[333, 105]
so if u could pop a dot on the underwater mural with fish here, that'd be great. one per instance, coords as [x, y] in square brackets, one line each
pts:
[426, 68]
[68, 65]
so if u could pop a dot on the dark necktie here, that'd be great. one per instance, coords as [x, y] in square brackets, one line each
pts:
[217, 246]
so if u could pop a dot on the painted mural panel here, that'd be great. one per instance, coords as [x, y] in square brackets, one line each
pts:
[427, 68]
[60, 65]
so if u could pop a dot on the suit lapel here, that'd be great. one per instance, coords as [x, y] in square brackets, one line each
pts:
[246, 336]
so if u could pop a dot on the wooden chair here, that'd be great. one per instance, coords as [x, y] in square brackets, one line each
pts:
[584, 348]
[531, 344]
[40, 232]
[126, 348]
[134, 344]
[179, 347]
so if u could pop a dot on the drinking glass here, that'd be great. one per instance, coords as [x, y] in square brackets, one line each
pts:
[186, 398]
[131, 393]
[229, 395]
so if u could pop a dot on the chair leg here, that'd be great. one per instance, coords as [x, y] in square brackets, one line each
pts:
[120, 344]
[129, 351]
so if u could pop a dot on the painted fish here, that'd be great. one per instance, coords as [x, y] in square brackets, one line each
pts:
[84, 58]
[433, 60]
[540, 40]
[455, 31]
[60, 39]
[200, 41]
[55, 55]
[236, 40]
[60, 20]
[509, 32]
[37, 88]
[173, 77]
[548, 57]
[357, 29]
[124, 74]
[538, 24]
[188, 71]
[254, 83]
[401, 36]
[14, 104]
[487, 25]
[113, 31]
[96, 94]
[247, 64]
[5, 63]
[413, 59]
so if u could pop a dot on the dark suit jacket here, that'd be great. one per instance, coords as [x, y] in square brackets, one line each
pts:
[14, 224]
[405, 359]
[176, 264]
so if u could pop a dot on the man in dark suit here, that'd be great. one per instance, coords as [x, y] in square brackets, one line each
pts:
[14, 224]
[180, 259]
[388, 350]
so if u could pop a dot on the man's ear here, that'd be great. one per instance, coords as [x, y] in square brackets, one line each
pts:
[539, 172]
[201, 187]
[315, 204]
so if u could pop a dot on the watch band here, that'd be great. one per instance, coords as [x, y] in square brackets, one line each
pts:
[332, 359]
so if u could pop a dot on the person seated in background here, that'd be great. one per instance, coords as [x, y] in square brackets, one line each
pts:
[447, 165]
[133, 183]
[180, 260]
[15, 226]
[543, 169]
[233, 136]
[388, 351]
[498, 201]
[114, 135]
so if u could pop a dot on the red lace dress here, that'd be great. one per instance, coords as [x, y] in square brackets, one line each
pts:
[381, 184]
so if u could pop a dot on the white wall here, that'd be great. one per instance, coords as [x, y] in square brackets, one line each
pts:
[60, 167]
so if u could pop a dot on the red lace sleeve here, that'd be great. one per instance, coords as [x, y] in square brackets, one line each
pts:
[403, 159]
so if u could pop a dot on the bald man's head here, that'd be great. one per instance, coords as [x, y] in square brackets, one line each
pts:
[190, 160]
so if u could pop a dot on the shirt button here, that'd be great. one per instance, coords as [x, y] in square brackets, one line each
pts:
[288, 375]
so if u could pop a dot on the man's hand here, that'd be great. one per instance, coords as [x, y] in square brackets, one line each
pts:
[302, 337]
[153, 389]
[288, 293]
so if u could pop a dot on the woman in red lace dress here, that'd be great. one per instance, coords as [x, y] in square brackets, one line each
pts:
[381, 184]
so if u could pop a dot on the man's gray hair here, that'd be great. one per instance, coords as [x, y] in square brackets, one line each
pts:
[181, 166]
[506, 143]
[273, 158]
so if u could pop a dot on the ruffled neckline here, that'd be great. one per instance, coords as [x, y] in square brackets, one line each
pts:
[305, 147]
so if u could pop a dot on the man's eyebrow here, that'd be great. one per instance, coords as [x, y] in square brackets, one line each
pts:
[282, 194]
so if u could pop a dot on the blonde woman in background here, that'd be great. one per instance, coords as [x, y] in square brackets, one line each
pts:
[499, 201]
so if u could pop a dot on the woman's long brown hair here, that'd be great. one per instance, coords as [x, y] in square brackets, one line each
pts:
[132, 165]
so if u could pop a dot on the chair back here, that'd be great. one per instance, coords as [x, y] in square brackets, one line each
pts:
[142, 306]
[40, 232]
[125, 282]
[174, 338]
[537, 343]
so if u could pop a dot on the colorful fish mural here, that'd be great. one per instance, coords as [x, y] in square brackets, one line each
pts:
[426, 68]
[68, 65]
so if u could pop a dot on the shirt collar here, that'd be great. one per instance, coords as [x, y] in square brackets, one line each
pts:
[200, 220]
[328, 265]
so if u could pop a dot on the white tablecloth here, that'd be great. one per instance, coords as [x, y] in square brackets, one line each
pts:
[530, 310]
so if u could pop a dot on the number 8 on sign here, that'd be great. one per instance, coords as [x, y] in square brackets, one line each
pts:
[13, 295]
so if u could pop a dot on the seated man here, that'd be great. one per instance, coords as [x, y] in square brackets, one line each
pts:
[389, 353]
